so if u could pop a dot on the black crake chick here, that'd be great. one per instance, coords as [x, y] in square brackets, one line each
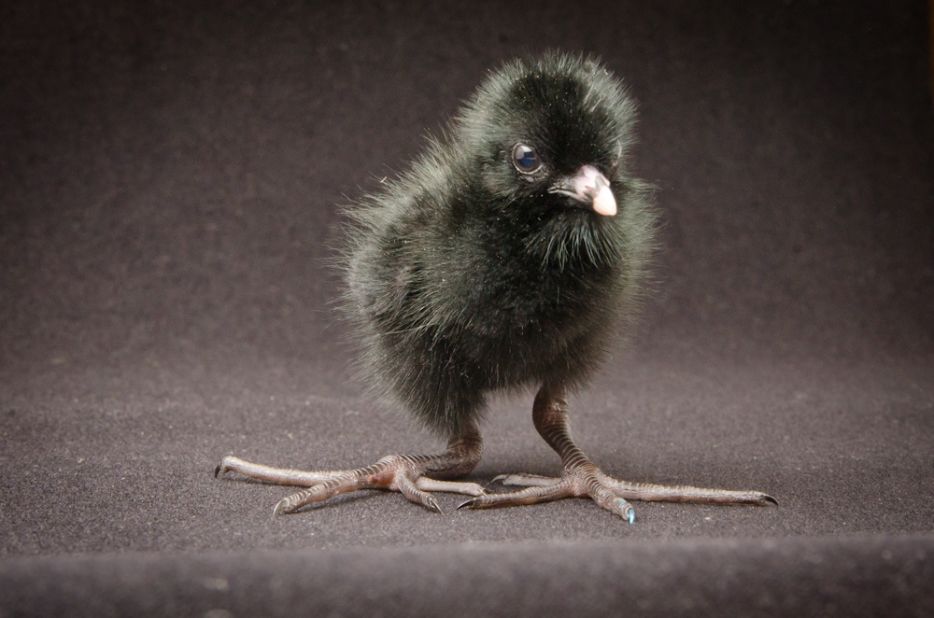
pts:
[481, 268]
[508, 255]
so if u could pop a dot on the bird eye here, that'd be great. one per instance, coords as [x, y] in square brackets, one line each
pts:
[525, 159]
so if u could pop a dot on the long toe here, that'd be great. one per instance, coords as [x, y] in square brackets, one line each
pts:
[400, 473]
[526, 480]
[276, 476]
[609, 493]
[529, 495]
[651, 492]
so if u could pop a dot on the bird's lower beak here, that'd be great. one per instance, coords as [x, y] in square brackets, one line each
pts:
[588, 186]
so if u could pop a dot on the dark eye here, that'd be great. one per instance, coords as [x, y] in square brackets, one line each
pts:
[525, 159]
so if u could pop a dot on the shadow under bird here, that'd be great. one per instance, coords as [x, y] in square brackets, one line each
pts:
[508, 255]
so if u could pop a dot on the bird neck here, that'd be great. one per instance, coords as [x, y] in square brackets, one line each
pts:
[568, 239]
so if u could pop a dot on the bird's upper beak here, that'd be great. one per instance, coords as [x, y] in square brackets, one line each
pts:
[590, 187]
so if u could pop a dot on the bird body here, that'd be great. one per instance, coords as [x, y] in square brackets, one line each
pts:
[508, 254]
[464, 276]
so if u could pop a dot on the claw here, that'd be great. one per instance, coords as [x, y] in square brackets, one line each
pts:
[465, 504]
[433, 505]
[223, 466]
[628, 513]
[292, 503]
[487, 485]
[770, 499]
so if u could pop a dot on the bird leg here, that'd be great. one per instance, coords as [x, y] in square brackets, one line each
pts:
[581, 478]
[407, 474]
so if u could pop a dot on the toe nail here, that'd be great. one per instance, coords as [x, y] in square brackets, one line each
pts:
[493, 481]
[770, 499]
[466, 504]
[217, 471]
[629, 513]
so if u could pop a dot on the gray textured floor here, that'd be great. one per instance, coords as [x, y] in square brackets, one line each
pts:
[169, 181]
[122, 459]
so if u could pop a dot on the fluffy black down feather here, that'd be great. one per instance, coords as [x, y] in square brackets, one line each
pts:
[465, 276]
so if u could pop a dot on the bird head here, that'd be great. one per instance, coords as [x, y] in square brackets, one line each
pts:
[550, 134]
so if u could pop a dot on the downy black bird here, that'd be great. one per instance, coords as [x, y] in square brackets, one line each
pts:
[508, 255]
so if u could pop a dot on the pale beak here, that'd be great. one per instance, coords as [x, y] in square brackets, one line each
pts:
[590, 187]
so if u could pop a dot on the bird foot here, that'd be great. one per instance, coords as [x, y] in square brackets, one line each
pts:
[402, 473]
[587, 481]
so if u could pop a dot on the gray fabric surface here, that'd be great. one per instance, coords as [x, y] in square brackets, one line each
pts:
[762, 577]
[169, 180]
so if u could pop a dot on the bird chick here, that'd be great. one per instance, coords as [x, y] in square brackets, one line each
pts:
[508, 255]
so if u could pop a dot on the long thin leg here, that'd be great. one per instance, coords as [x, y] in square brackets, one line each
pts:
[581, 478]
[406, 474]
